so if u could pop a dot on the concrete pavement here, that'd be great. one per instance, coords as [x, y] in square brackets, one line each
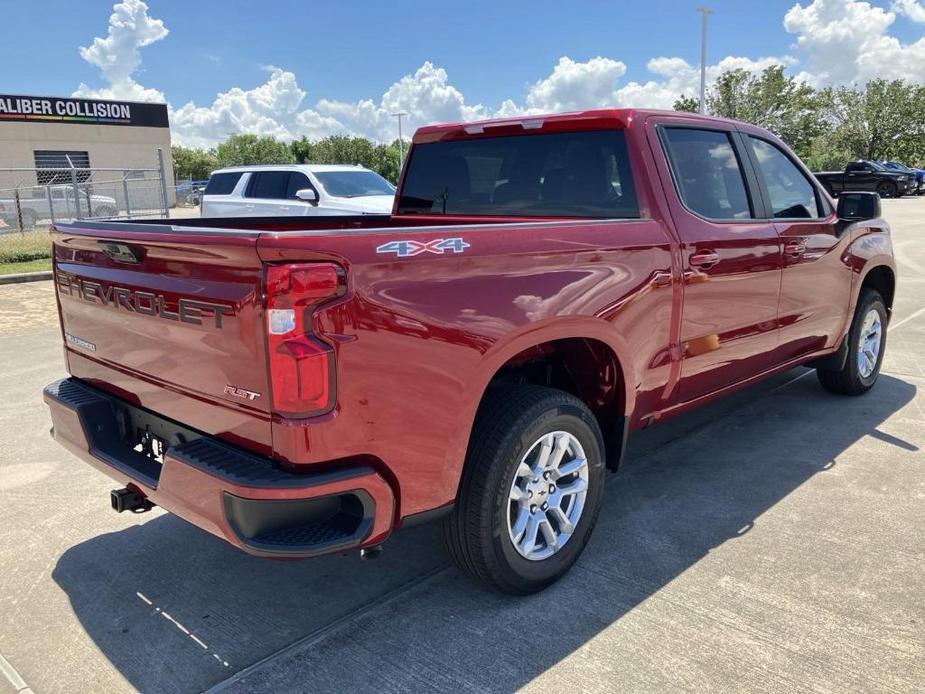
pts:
[770, 542]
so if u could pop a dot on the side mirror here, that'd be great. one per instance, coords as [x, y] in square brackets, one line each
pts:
[858, 207]
[307, 195]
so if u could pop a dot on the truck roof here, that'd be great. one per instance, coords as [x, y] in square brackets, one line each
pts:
[594, 119]
[312, 168]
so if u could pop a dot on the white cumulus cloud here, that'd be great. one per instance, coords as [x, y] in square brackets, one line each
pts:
[848, 41]
[837, 42]
[913, 9]
[118, 56]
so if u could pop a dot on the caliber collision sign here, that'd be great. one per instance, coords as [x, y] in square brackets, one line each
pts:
[44, 109]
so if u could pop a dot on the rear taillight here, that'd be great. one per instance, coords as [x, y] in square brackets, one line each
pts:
[301, 364]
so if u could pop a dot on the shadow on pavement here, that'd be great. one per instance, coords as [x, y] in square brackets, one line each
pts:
[663, 513]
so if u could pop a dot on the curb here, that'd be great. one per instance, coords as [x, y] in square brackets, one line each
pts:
[19, 277]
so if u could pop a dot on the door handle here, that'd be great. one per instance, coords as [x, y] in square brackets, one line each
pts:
[704, 259]
[795, 249]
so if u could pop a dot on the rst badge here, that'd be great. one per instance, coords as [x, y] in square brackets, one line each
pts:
[80, 342]
[406, 249]
[240, 393]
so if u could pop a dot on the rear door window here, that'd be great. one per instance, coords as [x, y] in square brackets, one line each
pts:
[223, 183]
[707, 173]
[572, 175]
[269, 185]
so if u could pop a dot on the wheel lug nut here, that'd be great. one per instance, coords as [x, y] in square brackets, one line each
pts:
[532, 508]
[552, 488]
[545, 506]
[546, 475]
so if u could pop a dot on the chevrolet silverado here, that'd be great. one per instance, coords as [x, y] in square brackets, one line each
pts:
[543, 287]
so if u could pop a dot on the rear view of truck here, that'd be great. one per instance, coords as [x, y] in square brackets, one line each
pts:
[184, 349]
[300, 387]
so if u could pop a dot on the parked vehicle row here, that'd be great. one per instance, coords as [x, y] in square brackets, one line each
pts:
[888, 181]
[917, 171]
[544, 287]
[190, 192]
[296, 190]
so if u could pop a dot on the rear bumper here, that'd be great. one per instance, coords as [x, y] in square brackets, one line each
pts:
[238, 496]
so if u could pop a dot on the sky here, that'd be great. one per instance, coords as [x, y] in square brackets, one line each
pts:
[293, 69]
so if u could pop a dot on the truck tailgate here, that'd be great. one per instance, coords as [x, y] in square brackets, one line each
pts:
[171, 320]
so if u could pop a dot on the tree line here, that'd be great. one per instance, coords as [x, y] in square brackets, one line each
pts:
[197, 164]
[826, 127]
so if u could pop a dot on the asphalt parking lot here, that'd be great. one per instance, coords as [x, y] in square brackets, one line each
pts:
[773, 542]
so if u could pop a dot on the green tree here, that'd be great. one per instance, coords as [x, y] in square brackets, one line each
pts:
[687, 103]
[190, 163]
[882, 120]
[302, 150]
[240, 150]
[343, 149]
[789, 108]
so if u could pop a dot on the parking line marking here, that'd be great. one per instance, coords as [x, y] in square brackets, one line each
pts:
[13, 677]
[892, 326]
[906, 319]
[166, 615]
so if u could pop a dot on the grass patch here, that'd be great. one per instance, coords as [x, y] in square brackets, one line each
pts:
[17, 247]
[25, 266]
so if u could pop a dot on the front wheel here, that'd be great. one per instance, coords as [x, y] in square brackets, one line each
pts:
[866, 345]
[886, 189]
[531, 488]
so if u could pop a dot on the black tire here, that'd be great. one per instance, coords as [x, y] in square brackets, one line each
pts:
[848, 380]
[886, 189]
[509, 421]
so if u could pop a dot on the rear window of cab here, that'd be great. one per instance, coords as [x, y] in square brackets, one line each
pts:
[573, 175]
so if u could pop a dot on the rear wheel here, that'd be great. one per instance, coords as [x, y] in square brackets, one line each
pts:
[531, 489]
[885, 189]
[866, 344]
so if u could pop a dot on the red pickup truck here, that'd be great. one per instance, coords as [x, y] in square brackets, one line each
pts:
[544, 286]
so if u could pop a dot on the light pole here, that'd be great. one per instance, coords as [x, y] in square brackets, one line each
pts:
[401, 144]
[704, 13]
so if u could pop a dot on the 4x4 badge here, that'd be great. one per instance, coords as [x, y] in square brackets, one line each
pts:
[406, 249]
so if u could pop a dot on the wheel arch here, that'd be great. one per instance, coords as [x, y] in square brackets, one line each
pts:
[881, 277]
[568, 356]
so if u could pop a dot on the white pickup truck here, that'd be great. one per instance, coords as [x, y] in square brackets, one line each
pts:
[35, 205]
[291, 190]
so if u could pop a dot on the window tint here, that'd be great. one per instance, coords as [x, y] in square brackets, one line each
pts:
[270, 185]
[791, 193]
[297, 181]
[585, 174]
[708, 173]
[353, 184]
[222, 183]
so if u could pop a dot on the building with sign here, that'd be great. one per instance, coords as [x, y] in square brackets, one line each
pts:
[49, 135]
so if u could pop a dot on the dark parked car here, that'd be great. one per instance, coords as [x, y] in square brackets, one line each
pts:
[867, 176]
[902, 168]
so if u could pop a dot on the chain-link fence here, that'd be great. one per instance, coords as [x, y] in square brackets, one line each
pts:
[31, 200]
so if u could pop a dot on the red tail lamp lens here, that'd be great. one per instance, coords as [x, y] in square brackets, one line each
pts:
[301, 364]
